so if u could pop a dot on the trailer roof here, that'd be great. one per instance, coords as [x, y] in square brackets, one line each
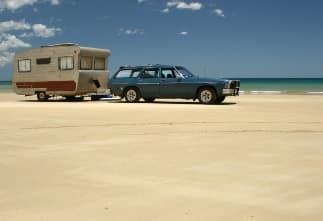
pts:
[57, 45]
[98, 50]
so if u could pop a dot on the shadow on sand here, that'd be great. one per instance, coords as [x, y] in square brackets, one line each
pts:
[158, 102]
[190, 102]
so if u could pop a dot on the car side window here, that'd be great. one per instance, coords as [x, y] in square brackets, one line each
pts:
[128, 73]
[149, 73]
[135, 73]
[123, 74]
[168, 73]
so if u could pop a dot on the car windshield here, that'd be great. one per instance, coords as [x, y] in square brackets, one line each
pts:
[186, 73]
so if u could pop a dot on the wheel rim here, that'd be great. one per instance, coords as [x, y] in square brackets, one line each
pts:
[131, 95]
[206, 96]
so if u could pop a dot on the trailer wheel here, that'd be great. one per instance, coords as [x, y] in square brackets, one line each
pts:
[41, 96]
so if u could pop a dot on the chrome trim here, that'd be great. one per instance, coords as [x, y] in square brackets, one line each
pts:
[228, 91]
[232, 92]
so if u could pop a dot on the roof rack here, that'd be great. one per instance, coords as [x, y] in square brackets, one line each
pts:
[56, 45]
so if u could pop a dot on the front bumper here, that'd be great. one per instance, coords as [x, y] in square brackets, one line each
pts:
[231, 88]
[231, 92]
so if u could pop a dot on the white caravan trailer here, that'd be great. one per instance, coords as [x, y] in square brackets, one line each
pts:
[61, 70]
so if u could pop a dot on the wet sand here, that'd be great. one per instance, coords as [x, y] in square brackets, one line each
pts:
[256, 157]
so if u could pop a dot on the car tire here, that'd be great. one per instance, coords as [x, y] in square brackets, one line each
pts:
[132, 95]
[206, 95]
[42, 96]
[219, 100]
[149, 100]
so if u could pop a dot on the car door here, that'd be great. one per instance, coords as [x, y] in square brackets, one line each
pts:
[172, 85]
[148, 83]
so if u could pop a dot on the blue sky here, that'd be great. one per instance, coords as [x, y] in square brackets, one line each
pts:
[225, 38]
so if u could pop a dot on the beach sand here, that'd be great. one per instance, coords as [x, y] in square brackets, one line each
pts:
[256, 157]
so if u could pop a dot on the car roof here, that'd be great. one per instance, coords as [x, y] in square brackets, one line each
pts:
[147, 66]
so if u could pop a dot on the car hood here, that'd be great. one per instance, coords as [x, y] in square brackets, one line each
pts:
[208, 80]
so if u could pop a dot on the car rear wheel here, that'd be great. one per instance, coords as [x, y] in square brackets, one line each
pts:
[207, 95]
[41, 96]
[132, 95]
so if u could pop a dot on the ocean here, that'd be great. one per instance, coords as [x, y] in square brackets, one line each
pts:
[258, 86]
[282, 85]
[5, 86]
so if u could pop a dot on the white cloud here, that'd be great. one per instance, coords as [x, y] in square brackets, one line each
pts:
[8, 41]
[6, 58]
[38, 30]
[194, 6]
[131, 31]
[27, 35]
[55, 2]
[11, 25]
[183, 33]
[219, 12]
[172, 4]
[43, 31]
[16, 4]
[141, 1]
[166, 10]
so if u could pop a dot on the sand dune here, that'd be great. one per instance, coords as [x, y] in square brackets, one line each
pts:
[256, 157]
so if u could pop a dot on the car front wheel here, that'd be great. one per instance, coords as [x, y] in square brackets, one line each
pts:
[132, 95]
[207, 95]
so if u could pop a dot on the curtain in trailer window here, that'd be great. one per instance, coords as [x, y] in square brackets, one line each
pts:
[86, 63]
[99, 63]
[24, 65]
[66, 63]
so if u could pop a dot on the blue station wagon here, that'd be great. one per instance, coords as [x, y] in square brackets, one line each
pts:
[168, 81]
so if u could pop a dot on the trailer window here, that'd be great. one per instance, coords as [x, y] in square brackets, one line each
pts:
[99, 63]
[86, 63]
[43, 60]
[66, 63]
[24, 65]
